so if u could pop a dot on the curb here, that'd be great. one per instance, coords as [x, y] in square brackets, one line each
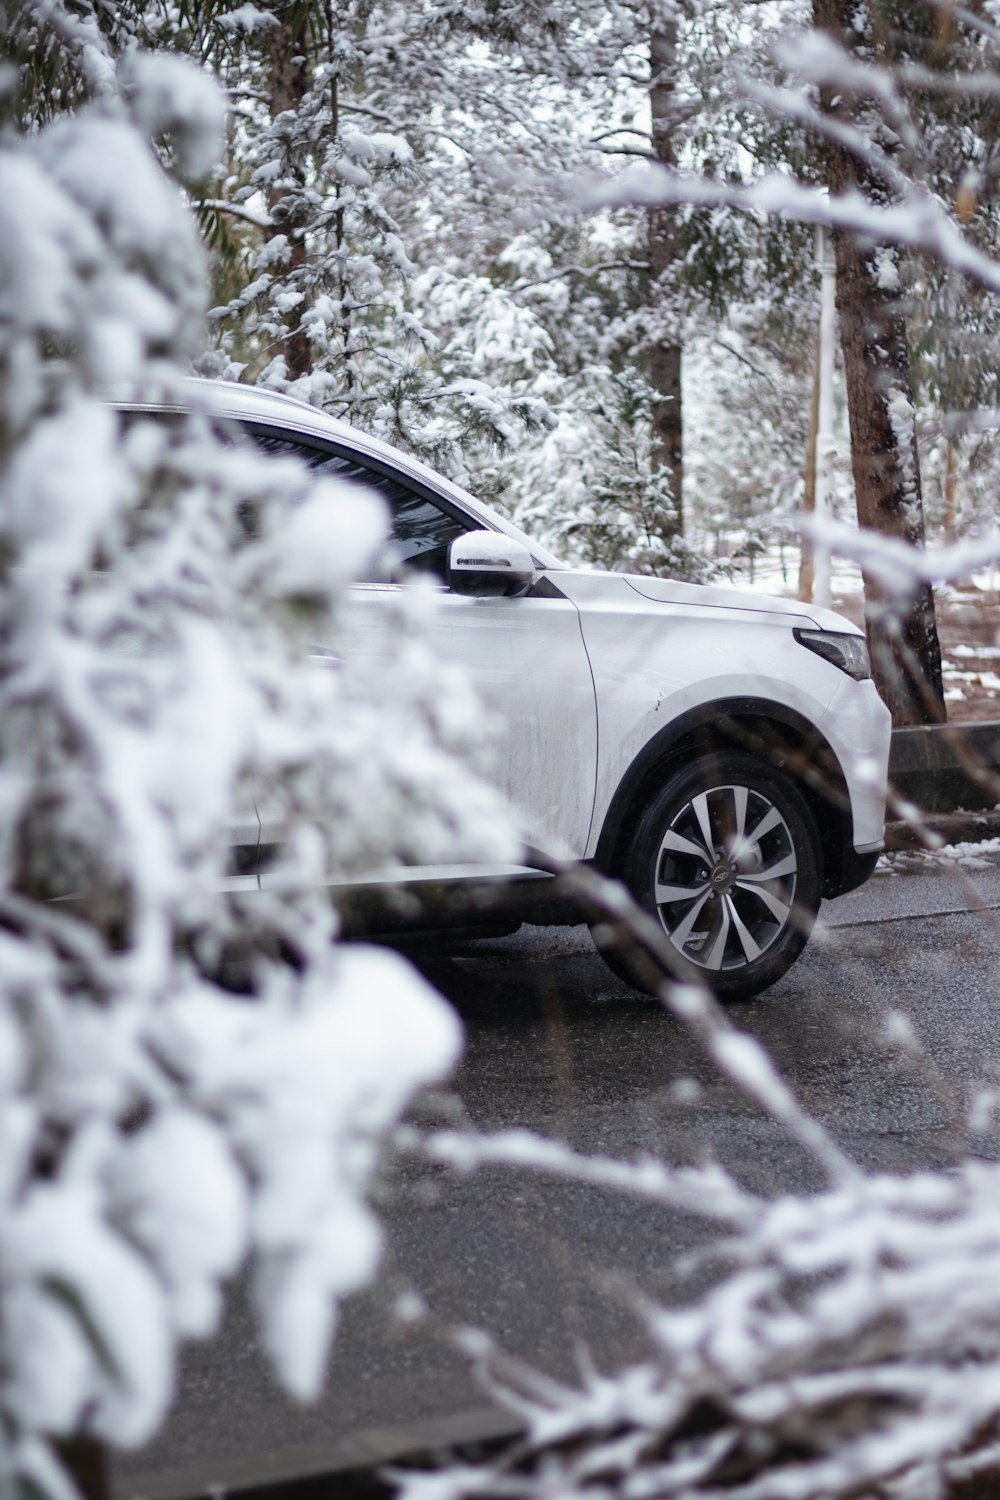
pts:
[944, 767]
[350, 1467]
[943, 828]
[950, 773]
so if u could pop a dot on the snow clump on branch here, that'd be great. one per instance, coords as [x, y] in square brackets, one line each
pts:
[190, 1074]
[849, 1345]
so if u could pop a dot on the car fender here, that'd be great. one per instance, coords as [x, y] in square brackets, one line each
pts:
[735, 720]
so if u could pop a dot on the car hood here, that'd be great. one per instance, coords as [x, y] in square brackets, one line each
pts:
[716, 596]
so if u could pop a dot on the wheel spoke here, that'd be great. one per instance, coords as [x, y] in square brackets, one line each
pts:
[786, 866]
[770, 820]
[676, 843]
[699, 806]
[680, 934]
[778, 909]
[740, 797]
[714, 956]
[747, 942]
[670, 893]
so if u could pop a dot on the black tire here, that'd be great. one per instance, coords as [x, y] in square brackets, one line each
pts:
[740, 927]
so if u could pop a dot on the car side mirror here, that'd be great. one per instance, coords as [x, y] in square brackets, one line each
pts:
[489, 564]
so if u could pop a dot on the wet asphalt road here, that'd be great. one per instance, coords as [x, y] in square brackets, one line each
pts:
[557, 1044]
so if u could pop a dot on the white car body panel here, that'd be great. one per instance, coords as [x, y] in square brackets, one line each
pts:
[580, 677]
[527, 661]
[857, 726]
[653, 662]
[689, 596]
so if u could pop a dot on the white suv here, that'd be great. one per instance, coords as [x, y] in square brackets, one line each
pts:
[723, 753]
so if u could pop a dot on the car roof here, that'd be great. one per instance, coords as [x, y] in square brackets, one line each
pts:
[252, 403]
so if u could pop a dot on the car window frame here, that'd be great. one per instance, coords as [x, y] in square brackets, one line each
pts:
[206, 402]
[360, 453]
[378, 466]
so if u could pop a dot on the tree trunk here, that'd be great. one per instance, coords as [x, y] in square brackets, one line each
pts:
[663, 254]
[289, 82]
[902, 630]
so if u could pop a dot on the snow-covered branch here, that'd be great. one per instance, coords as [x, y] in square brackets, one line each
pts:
[835, 1355]
[919, 223]
[237, 211]
[703, 1191]
[191, 1078]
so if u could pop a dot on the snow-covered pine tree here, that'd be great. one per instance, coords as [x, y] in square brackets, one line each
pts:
[326, 161]
[564, 95]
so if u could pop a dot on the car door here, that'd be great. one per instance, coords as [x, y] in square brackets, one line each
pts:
[525, 657]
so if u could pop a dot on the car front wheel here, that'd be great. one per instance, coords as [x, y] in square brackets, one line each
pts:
[725, 856]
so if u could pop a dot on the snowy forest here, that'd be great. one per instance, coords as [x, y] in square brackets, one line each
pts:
[444, 224]
[564, 251]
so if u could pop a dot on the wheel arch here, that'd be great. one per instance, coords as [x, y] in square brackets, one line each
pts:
[776, 734]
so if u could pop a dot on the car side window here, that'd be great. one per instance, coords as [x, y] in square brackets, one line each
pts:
[421, 531]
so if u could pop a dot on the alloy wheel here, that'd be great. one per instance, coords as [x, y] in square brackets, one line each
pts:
[725, 877]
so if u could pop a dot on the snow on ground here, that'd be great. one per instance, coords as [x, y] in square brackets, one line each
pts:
[989, 682]
[971, 856]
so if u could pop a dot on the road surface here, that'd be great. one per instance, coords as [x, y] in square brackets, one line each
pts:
[550, 1269]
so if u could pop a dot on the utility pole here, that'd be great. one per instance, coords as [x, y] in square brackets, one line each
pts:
[827, 267]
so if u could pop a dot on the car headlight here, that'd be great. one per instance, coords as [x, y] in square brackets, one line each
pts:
[848, 652]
